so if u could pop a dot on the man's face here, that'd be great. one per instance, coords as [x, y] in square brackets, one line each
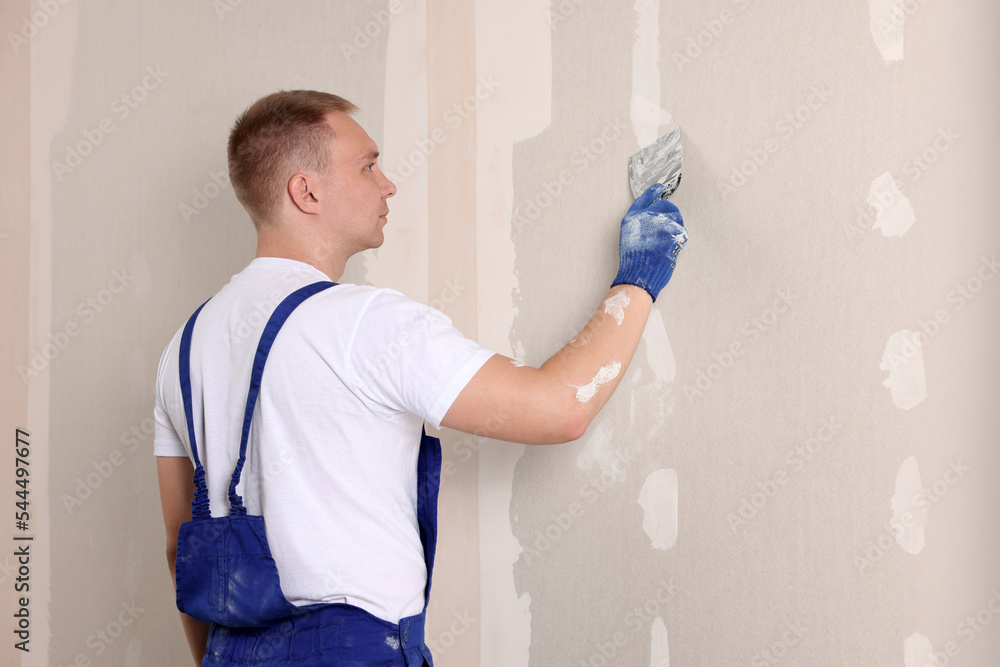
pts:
[355, 187]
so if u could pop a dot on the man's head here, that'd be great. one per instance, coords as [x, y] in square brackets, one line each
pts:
[307, 174]
[279, 135]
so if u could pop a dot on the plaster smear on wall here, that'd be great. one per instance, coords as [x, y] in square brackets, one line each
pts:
[904, 360]
[514, 47]
[654, 401]
[647, 116]
[918, 651]
[647, 402]
[659, 354]
[909, 519]
[645, 112]
[886, 24]
[52, 54]
[402, 264]
[659, 646]
[893, 213]
[598, 449]
[658, 499]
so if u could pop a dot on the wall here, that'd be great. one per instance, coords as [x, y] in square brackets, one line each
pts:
[788, 474]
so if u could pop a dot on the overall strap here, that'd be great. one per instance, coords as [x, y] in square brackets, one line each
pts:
[199, 506]
[274, 324]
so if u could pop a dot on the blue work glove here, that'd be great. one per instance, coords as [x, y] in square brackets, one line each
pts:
[652, 235]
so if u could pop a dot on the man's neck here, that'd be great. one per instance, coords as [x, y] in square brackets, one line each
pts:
[330, 263]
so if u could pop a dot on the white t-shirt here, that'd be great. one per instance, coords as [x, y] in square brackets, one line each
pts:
[332, 458]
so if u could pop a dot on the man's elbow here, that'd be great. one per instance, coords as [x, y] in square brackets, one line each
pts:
[572, 424]
[172, 557]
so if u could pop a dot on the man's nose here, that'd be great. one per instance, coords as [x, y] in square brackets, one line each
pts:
[388, 188]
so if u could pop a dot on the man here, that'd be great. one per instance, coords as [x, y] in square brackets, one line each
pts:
[352, 377]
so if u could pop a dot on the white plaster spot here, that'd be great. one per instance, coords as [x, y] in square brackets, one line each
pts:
[658, 499]
[886, 24]
[918, 651]
[893, 213]
[645, 112]
[517, 363]
[392, 642]
[909, 518]
[607, 373]
[659, 646]
[904, 360]
[615, 306]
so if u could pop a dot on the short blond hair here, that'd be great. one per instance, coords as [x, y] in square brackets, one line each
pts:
[277, 136]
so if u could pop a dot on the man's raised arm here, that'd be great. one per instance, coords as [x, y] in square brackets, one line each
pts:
[556, 402]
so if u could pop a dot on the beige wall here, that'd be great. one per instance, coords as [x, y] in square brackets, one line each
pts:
[757, 388]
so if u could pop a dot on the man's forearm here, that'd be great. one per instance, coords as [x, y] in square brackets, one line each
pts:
[197, 636]
[593, 363]
[195, 631]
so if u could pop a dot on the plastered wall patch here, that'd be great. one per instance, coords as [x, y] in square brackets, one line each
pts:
[598, 450]
[513, 46]
[659, 646]
[886, 24]
[645, 111]
[893, 213]
[655, 400]
[646, 402]
[904, 360]
[402, 262]
[658, 352]
[909, 517]
[918, 651]
[658, 499]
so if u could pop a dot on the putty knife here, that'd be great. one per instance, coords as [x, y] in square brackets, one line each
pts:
[659, 162]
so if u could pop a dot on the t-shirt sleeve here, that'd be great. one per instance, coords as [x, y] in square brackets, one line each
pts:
[166, 441]
[408, 357]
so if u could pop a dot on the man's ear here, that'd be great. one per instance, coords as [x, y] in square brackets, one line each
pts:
[300, 189]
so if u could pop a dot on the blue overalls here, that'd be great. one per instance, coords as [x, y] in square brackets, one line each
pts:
[226, 575]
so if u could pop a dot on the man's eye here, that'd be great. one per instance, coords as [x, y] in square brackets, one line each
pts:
[370, 166]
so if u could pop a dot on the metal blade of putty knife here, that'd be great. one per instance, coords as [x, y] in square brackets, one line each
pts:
[660, 162]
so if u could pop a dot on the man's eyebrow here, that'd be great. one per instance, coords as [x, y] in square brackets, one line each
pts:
[370, 156]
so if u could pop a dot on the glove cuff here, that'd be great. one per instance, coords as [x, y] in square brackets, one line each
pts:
[637, 269]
